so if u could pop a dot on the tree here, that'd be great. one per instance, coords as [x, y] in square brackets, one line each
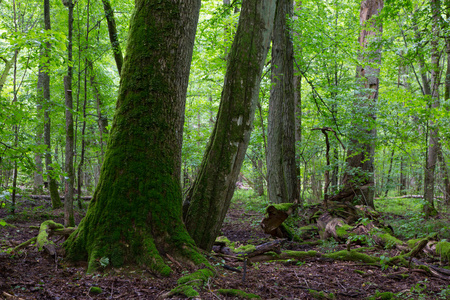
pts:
[359, 177]
[433, 143]
[281, 165]
[208, 199]
[135, 213]
[69, 180]
[52, 185]
[113, 36]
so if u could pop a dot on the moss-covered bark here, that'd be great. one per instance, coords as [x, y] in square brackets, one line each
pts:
[209, 198]
[135, 214]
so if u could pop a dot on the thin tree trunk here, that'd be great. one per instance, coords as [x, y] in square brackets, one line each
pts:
[208, 200]
[8, 66]
[113, 36]
[281, 165]
[298, 114]
[433, 142]
[52, 185]
[391, 162]
[83, 128]
[38, 183]
[69, 220]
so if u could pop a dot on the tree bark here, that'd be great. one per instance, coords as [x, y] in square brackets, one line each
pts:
[113, 36]
[433, 142]
[38, 183]
[69, 178]
[52, 185]
[281, 165]
[208, 200]
[361, 148]
[135, 214]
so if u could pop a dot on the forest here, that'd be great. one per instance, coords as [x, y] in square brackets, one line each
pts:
[224, 149]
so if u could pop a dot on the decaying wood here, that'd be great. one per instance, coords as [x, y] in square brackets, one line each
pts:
[266, 247]
[11, 297]
[24, 244]
[274, 218]
[46, 230]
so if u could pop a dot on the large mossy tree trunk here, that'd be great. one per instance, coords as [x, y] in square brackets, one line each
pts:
[135, 214]
[208, 200]
[361, 148]
[281, 165]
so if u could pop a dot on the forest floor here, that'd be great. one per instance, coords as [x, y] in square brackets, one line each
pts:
[30, 274]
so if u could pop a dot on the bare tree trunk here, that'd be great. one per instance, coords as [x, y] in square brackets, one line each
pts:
[69, 220]
[208, 200]
[38, 183]
[433, 143]
[391, 162]
[52, 185]
[281, 165]
[361, 149]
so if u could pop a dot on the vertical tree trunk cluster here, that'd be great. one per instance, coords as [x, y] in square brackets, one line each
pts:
[361, 150]
[209, 198]
[281, 162]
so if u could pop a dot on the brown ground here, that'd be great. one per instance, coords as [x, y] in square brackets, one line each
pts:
[32, 275]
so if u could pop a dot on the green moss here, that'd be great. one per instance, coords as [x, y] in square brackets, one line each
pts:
[223, 239]
[197, 278]
[245, 248]
[360, 272]
[300, 254]
[351, 256]
[185, 290]
[95, 290]
[389, 240]
[412, 243]
[443, 249]
[342, 231]
[363, 249]
[237, 293]
[382, 296]
[42, 238]
[283, 206]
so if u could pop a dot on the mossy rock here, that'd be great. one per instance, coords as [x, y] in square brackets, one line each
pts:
[443, 249]
[237, 293]
[95, 290]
